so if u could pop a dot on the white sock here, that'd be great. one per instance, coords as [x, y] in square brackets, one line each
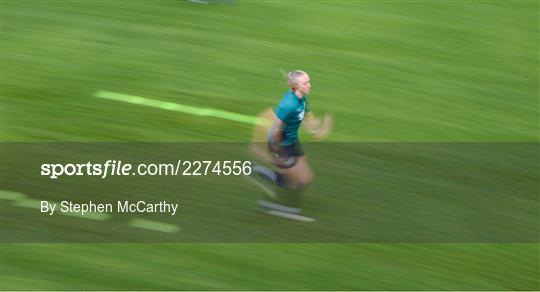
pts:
[267, 172]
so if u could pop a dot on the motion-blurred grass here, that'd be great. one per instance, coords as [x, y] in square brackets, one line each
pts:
[271, 266]
[390, 71]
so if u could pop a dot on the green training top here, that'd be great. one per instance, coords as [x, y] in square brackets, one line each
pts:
[291, 112]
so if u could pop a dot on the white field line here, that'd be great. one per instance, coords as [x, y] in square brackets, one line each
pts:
[154, 225]
[177, 107]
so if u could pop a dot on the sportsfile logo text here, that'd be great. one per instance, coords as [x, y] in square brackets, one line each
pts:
[119, 168]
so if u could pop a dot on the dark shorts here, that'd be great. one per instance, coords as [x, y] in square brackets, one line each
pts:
[286, 156]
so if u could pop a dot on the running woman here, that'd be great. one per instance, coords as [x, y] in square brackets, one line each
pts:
[284, 148]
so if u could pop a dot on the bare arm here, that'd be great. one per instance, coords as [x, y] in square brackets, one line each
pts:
[259, 138]
[276, 131]
[311, 123]
[319, 128]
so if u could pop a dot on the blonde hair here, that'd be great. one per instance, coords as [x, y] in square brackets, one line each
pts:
[292, 77]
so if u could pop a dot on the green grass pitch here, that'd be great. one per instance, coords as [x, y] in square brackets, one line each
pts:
[395, 71]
